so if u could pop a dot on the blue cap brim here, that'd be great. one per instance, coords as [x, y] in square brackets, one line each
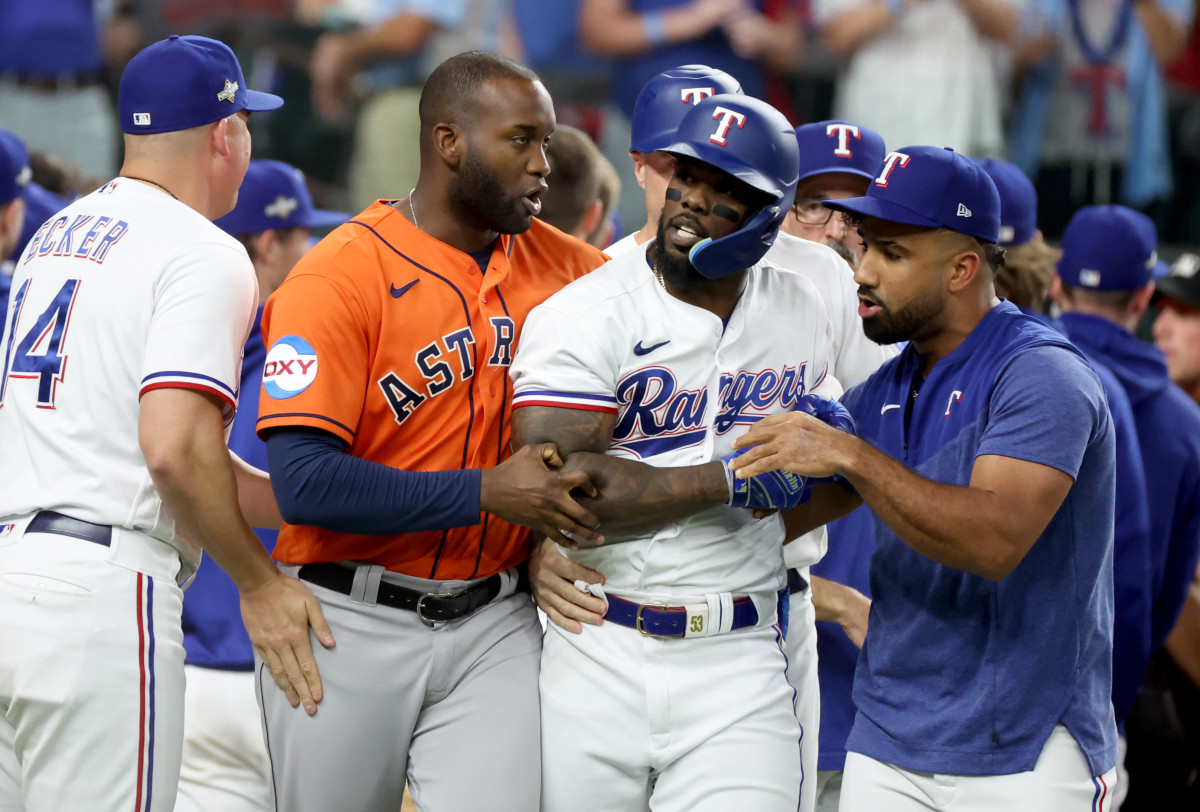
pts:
[322, 218]
[259, 102]
[880, 209]
[836, 170]
[1161, 269]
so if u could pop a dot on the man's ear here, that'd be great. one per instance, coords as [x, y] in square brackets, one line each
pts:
[1057, 294]
[639, 167]
[219, 138]
[966, 267]
[590, 220]
[449, 142]
[264, 243]
[12, 219]
[1141, 299]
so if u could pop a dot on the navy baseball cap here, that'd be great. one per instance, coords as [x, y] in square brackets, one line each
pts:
[183, 82]
[1183, 284]
[667, 98]
[839, 146]
[1018, 201]
[931, 187]
[1110, 248]
[273, 195]
[14, 167]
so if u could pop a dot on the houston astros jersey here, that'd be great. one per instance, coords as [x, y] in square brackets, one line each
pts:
[124, 291]
[682, 386]
[400, 345]
[960, 674]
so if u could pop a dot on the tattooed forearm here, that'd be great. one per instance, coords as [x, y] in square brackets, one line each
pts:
[634, 498]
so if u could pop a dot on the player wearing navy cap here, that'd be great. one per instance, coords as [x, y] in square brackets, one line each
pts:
[225, 761]
[120, 371]
[986, 454]
[1105, 281]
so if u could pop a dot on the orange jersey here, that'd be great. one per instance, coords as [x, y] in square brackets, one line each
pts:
[399, 345]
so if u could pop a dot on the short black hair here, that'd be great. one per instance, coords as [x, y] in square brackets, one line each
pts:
[450, 91]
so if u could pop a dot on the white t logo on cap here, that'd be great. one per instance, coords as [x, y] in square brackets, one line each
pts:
[727, 118]
[889, 164]
[695, 95]
[843, 131]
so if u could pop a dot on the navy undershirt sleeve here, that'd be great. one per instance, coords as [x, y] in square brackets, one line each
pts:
[317, 483]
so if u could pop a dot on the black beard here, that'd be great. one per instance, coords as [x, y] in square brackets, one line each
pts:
[477, 199]
[888, 327]
[676, 271]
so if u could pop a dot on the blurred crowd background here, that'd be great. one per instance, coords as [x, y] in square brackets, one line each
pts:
[1097, 101]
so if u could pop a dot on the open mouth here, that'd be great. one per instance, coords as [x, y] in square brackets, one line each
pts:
[684, 231]
[533, 200]
[867, 306]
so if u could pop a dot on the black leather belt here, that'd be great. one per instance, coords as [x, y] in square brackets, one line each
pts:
[429, 606]
[47, 521]
[796, 582]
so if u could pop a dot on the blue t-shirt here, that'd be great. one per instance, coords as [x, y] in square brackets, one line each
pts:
[848, 561]
[213, 633]
[963, 675]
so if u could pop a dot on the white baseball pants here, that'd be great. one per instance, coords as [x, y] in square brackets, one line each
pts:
[1059, 782]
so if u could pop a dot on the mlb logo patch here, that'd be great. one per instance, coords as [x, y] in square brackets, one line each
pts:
[6, 530]
[141, 119]
[1088, 278]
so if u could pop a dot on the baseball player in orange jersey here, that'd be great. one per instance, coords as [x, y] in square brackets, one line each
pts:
[385, 408]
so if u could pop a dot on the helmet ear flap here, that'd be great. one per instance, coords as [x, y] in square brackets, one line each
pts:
[734, 252]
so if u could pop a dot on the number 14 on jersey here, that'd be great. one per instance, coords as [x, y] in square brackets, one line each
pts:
[40, 353]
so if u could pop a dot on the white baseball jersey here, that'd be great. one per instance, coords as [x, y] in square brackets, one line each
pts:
[124, 291]
[624, 245]
[682, 386]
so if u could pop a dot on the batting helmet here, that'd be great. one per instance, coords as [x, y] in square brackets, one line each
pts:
[752, 141]
[668, 97]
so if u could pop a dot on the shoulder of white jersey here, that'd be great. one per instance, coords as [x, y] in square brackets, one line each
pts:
[622, 277]
[625, 245]
[807, 257]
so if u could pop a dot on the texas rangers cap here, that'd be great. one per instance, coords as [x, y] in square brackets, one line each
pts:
[667, 98]
[183, 82]
[839, 146]
[1018, 201]
[14, 167]
[1183, 284]
[931, 187]
[273, 195]
[1110, 248]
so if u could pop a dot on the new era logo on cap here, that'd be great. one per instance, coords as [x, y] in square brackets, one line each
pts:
[141, 119]
[963, 211]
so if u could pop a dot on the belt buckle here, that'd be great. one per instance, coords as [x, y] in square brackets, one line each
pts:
[421, 604]
[641, 628]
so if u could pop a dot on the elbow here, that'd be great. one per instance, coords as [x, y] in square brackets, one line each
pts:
[999, 564]
[169, 463]
[838, 42]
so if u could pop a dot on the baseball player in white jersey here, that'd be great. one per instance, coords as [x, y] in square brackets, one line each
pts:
[120, 370]
[643, 373]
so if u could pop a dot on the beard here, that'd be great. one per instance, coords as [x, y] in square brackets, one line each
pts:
[676, 271]
[889, 327]
[477, 199]
[844, 251]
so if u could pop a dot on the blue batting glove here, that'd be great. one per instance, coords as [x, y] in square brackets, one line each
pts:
[774, 490]
[827, 410]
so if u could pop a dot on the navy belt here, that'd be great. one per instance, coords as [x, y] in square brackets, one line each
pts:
[796, 582]
[671, 621]
[47, 521]
[429, 606]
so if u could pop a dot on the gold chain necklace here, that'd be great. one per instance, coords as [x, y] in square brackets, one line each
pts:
[658, 274]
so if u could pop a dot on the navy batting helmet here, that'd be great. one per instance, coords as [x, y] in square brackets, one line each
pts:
[668, 97]
[752, 141]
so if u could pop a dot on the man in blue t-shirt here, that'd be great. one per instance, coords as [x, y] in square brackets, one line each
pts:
[225, 762]
[986, 453]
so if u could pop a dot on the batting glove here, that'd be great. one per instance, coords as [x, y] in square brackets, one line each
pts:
[774, 490]
[827, 410]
